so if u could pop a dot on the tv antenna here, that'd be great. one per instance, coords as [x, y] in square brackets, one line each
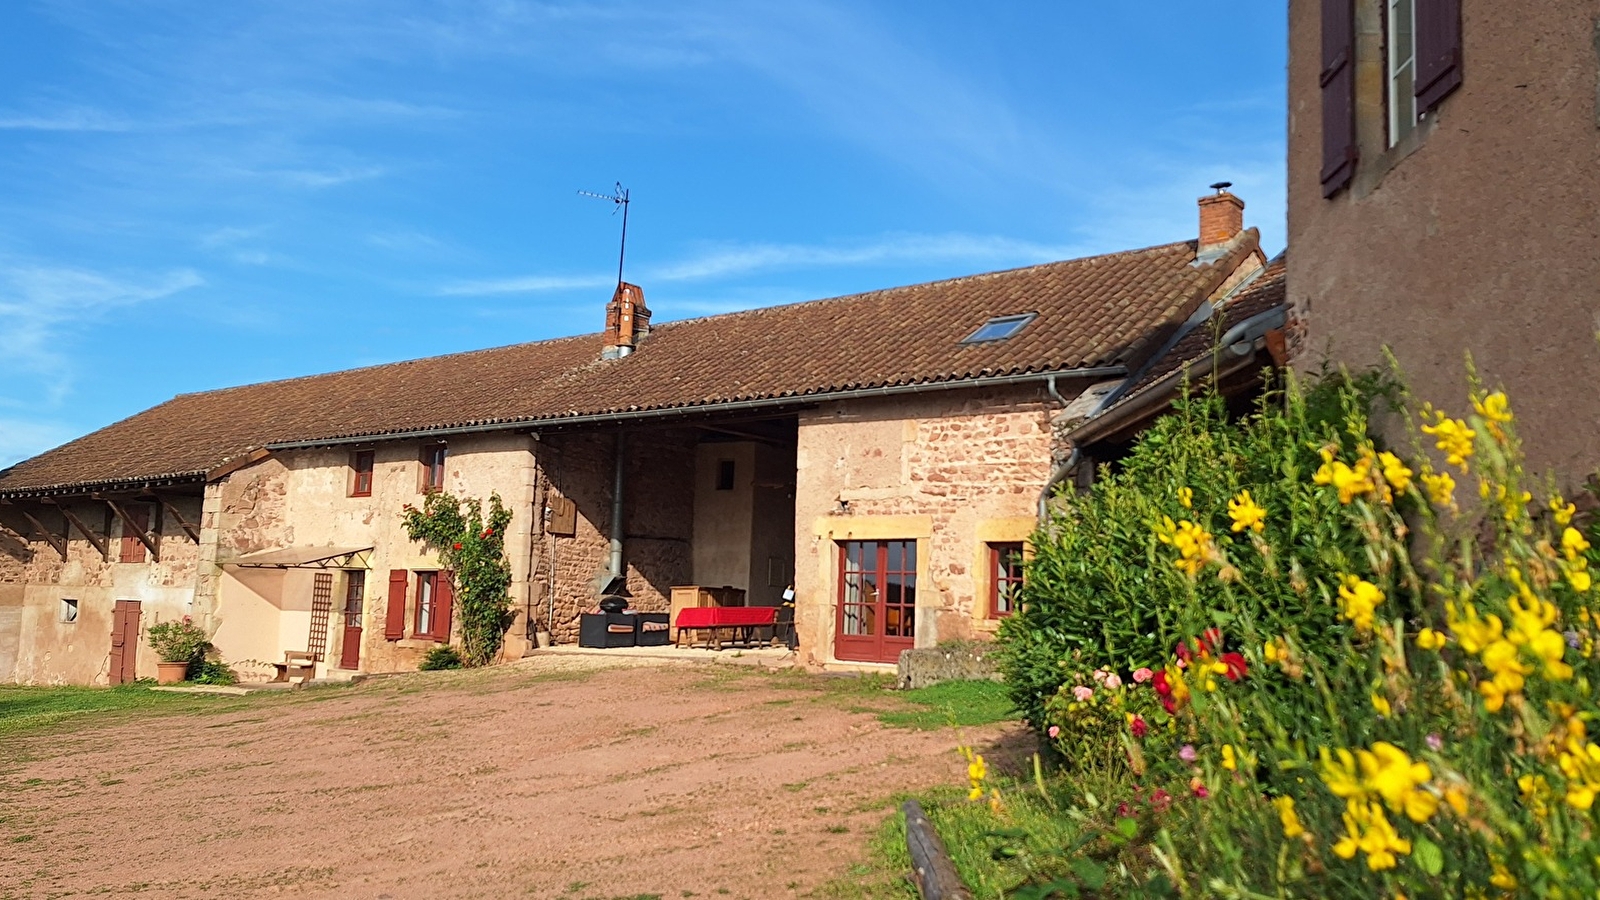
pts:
[618, 196]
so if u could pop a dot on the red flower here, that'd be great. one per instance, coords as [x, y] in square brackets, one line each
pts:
[1160, 800]
[1164, 690]
[1138, 727]
[1124, 811]
[458, 546]
[1237, 667]
[487, 532]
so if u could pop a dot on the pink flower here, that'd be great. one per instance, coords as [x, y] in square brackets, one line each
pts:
[1054, 732]
[1200, 791]
[1160, 800]
[1082, 693]
[1138, 726]
[1113, 682]
[1187, 753]
[1124, 811]
[1142, 675]
[1435, 743]
[1101, 675]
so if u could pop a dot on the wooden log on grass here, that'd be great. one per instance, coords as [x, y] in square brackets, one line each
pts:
[931, 867]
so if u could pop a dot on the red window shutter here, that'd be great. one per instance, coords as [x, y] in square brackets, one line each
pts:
[394, 623]
[443, 603]
[1438, 51]
[133, 550]
[1338, 95]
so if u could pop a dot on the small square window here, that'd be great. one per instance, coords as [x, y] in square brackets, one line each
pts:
[69, 610]
[724, 474]
[999, 328]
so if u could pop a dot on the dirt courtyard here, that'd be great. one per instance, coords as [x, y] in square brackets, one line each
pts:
[554, 777]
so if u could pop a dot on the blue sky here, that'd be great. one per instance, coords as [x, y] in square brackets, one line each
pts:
[202, 194]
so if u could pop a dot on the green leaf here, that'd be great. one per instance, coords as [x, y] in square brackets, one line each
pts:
[1091, 873]
[1128, 827]
[1428, 855]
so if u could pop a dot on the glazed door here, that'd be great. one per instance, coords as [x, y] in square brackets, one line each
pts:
[355, 588]
[877, 608]
[124, 641]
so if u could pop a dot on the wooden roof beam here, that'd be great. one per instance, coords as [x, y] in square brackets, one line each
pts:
[189, 528]
[101, 543]
[58, 544]
[129, 526]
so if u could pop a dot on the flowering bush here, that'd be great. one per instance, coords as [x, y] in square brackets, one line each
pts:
[1098, 719]
[178, 640]
[1100, 586]
[1424, 730]
[474, 550]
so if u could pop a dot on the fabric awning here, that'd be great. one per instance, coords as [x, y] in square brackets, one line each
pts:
[304, 558]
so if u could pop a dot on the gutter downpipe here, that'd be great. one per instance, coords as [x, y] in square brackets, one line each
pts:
[616, 504]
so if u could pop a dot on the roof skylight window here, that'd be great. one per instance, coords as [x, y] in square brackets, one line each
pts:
[999, 328]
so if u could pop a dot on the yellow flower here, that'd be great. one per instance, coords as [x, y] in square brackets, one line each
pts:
[1229, 761]
[1453, 437]
[1441, 488]
[1192, 542]
[1186, 497]
[1428, 639]
[1381, 704]
[1502, 878]
[1245, 513]
[1290, 819]
[1368, 830]
[1340, 775]
[1562, 511]
[1357, 601]
[1395, 471]
[1350, 481]
[1495, 411]
[1456, 797]
[1573, 542]
[1391, 773]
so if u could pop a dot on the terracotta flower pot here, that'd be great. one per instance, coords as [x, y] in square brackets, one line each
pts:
[171, 672]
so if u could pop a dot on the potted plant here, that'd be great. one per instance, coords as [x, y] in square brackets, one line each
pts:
[179, 644]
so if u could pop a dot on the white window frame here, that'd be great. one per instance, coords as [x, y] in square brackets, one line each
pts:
[1397, 66]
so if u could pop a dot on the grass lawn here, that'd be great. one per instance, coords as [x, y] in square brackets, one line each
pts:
[24, 710]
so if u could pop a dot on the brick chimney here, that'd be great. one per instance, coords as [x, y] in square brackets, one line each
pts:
[1221, 220]
[627, 320]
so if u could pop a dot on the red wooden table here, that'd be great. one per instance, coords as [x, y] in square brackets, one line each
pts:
[715, 619]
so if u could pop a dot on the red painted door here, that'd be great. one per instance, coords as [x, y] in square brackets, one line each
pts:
[124, 641]
[877, 607]
[355, 588]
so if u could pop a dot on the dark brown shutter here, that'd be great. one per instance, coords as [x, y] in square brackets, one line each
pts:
[444, 597]
[394, 623]
[1338, 95]
[1438, 51]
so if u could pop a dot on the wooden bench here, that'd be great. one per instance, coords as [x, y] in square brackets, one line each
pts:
[295, 665]
[713, 620]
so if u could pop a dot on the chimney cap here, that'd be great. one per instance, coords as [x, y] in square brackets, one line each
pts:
[1221, 186]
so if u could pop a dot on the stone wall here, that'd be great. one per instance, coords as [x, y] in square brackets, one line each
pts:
[658, 503]
[954, 470]
[37, 644]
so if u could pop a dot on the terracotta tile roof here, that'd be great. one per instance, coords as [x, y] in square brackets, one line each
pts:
[1098, 311]
[1195, 349]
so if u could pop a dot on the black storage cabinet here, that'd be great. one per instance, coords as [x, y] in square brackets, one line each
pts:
[655, 636]
[607, 630]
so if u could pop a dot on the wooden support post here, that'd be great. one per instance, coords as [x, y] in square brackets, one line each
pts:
[59, 544]
[129, 525]
[100, 543]
[931, 867]
[193, 531]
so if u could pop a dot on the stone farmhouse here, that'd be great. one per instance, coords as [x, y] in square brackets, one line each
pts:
[886, 454]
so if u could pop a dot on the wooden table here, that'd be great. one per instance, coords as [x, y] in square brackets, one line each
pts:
[716, 619]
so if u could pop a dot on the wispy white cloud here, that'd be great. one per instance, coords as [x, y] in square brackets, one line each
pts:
[64, 120]
[728, 260]
[527, 284]
[313, 178]
[41, 305]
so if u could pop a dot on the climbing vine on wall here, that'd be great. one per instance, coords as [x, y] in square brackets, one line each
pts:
[474, 549]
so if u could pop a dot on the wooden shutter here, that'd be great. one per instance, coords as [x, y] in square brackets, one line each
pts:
[132, 547]
[1338, 95]
[444, 597]
[394, 623]
[1438, 51]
